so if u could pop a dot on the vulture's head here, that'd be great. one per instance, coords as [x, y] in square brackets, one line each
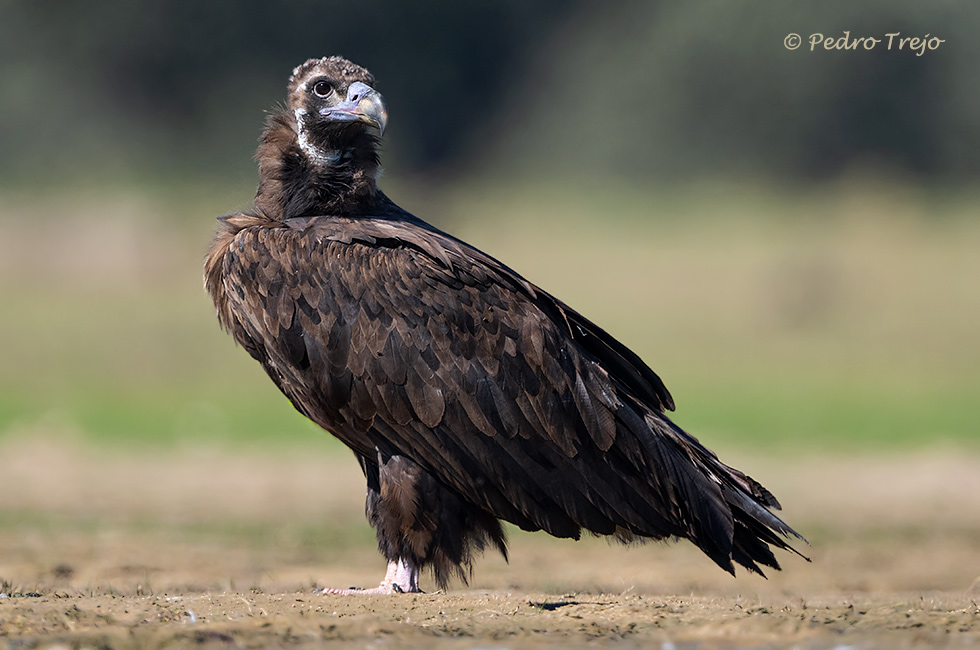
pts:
[336, 109]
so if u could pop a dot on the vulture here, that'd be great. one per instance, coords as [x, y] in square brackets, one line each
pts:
[469, 395]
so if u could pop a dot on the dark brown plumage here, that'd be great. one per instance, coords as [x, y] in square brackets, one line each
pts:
[468, 394]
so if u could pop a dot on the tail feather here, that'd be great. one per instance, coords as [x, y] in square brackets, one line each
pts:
[755, 529]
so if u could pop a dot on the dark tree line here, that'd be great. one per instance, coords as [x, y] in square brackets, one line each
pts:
[660, 90]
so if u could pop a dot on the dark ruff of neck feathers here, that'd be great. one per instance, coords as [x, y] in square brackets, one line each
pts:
[291, 185]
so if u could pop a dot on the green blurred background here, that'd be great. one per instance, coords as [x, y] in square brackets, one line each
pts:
[790, 238]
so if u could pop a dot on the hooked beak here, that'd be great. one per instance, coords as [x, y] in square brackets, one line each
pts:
[363, 104]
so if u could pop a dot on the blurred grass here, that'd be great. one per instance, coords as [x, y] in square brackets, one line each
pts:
[779, 319]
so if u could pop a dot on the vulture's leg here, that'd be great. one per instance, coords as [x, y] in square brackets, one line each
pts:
[403, 526]
[420, 524]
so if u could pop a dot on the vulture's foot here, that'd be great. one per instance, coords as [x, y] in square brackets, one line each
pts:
[402, 578]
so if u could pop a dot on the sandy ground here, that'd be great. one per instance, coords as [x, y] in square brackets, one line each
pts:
[214, 548]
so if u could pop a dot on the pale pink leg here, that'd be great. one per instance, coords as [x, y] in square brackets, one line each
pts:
[401, 577]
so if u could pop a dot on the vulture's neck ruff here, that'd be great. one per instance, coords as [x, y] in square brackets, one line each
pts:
[319, 155]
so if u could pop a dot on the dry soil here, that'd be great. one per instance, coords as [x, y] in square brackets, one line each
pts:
[212, 548]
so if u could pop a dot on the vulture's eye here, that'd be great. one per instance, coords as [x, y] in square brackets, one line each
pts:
[322, 89]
